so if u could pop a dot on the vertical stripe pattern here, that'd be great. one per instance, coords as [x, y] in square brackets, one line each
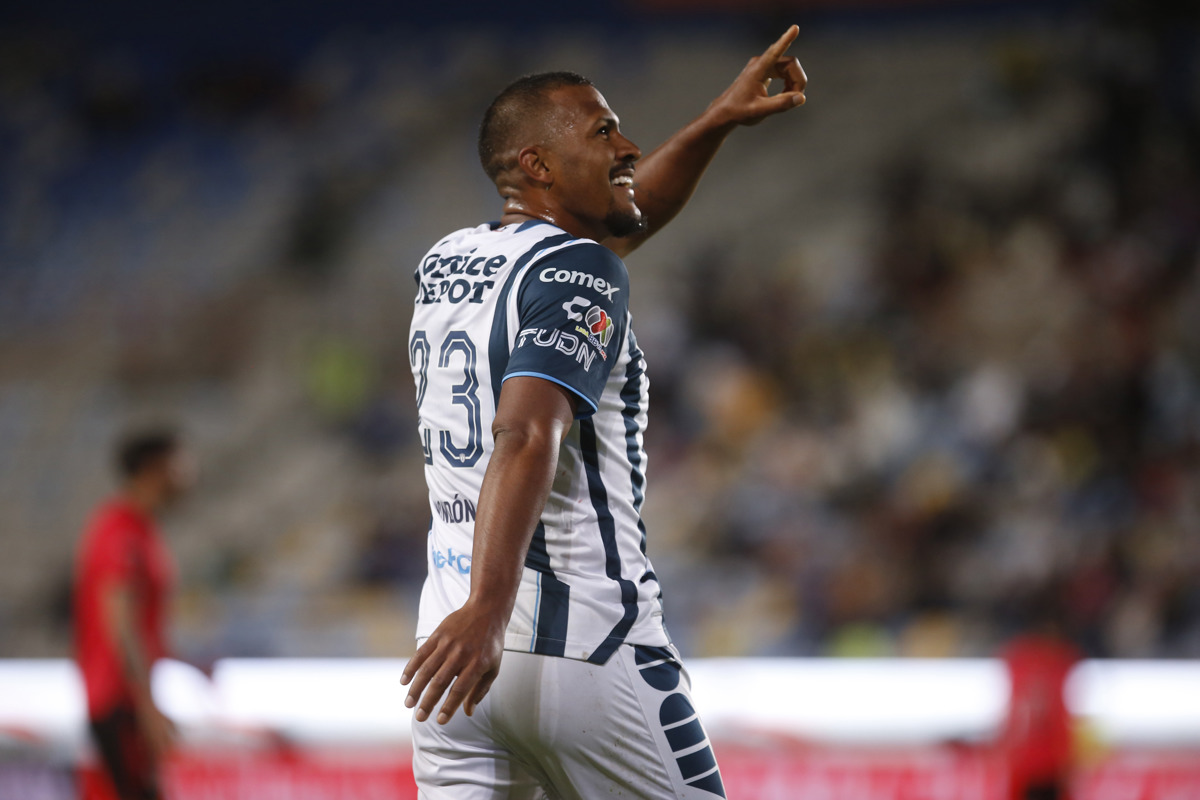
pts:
[553, 599]
[608, 535]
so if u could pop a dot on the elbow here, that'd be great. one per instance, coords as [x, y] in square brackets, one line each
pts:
[541, 437]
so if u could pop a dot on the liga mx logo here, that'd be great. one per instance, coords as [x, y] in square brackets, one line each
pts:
[599, 324]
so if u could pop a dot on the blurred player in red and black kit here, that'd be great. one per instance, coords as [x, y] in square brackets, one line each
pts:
[124, 576]
[1037, 739]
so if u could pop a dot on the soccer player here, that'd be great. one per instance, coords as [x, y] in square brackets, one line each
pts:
[1037, 736]
[123, 578]
[532, 398]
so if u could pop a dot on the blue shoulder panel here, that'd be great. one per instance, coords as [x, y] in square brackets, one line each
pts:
[572, 312]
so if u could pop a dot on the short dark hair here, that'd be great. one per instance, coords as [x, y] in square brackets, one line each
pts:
[520, 100]
[141, 449]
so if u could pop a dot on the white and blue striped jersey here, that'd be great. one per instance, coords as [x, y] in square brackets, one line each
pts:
[530, 299]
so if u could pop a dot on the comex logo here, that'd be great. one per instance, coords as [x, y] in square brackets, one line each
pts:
[551, 275]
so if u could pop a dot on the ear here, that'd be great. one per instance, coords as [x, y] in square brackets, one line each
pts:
[533, 164]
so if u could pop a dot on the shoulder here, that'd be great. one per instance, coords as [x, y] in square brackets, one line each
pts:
[458, 241]
[111, 538]
[584, 253]
[462, 233]
[580, 265]
[112, 518]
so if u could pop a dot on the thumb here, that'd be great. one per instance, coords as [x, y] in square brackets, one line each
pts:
[782, 102]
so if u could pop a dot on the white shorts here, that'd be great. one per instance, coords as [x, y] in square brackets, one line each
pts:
[568, 730]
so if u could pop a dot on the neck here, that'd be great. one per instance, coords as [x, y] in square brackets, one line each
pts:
[142, 497]
[518, 208]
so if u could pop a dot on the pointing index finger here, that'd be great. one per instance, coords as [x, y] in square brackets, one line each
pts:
[776, 50]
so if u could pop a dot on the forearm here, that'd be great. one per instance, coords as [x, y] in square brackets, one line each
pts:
[137, 671]
[134, 662]
[514, 493]
[665, 179]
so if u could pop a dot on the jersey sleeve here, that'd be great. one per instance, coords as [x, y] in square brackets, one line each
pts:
[571, 309]
[114, 558]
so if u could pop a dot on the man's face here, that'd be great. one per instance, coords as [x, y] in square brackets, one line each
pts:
[593, 163]
[178, 474]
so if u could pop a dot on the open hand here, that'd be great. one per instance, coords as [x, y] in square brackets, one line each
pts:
[748, 100]
[466, 649]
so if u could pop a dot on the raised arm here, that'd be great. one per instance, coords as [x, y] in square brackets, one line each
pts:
[532, 418]
[666, 179]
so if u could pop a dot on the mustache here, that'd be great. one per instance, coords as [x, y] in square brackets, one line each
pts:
[624, 166]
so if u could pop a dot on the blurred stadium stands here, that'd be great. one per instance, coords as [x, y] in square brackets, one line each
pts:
[921, 353]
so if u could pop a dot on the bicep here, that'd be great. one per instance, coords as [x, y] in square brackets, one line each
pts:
[535, 406]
